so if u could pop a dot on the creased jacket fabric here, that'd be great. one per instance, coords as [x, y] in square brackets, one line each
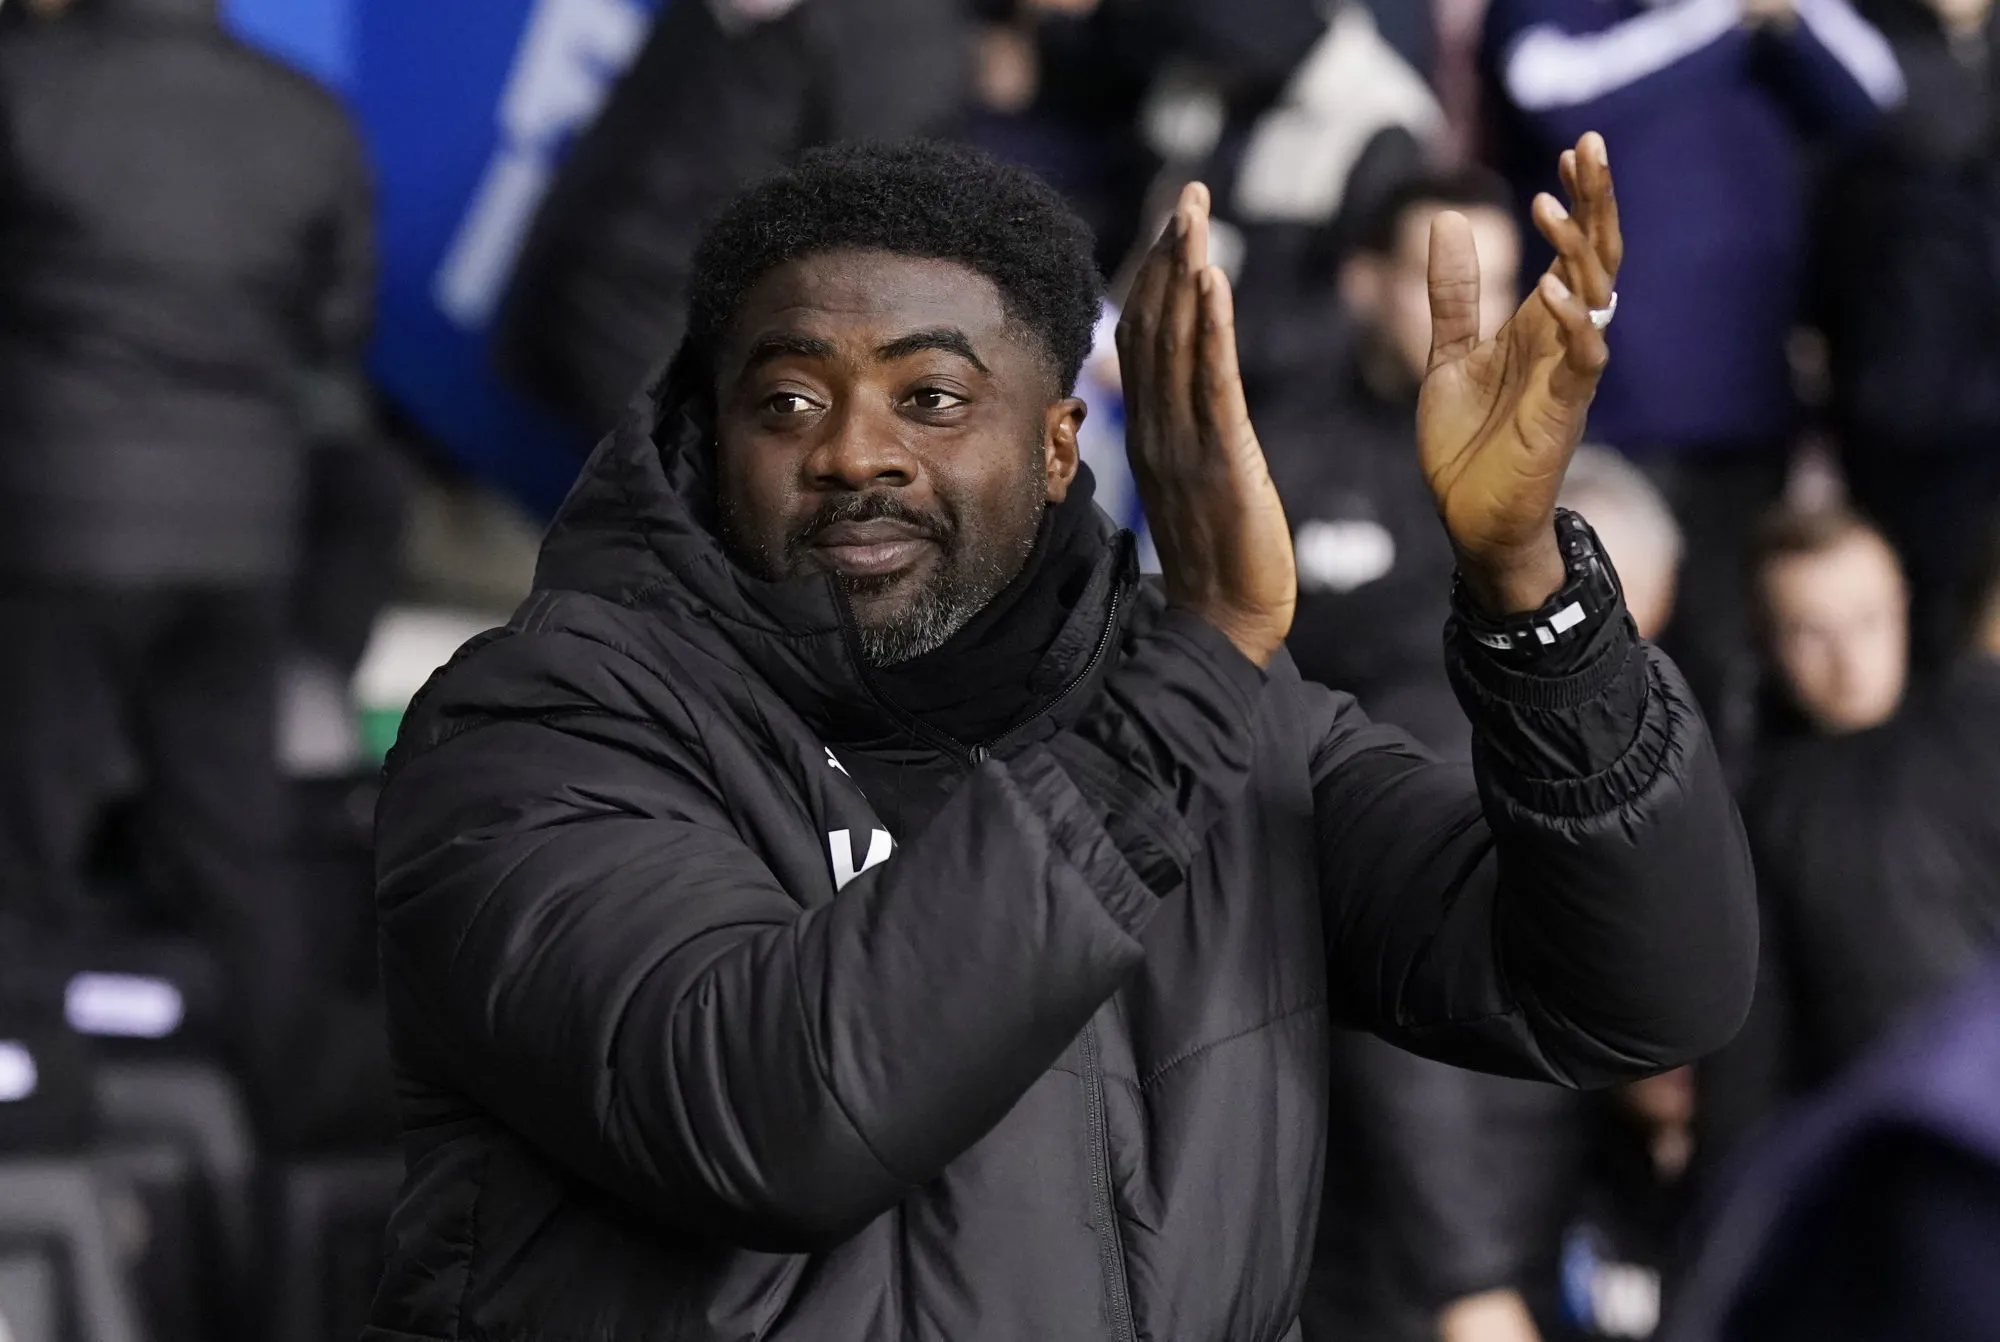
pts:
[697, 1041]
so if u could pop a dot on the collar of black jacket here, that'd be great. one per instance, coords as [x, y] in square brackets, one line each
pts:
[638, 528]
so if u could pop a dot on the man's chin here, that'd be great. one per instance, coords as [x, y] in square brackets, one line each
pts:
[906, 620]
[880, 605]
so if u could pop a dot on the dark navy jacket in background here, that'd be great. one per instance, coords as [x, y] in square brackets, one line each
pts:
[1707, 123]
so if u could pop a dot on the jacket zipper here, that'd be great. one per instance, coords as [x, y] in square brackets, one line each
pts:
[979, 753]
[1110, 1244]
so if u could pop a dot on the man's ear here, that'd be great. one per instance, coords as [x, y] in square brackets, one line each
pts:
[1059, 450]
[1361, 283]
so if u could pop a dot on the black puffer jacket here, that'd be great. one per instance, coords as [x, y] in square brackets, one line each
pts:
[184, 231]
[695, 1042]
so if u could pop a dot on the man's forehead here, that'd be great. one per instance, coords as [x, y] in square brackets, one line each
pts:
[872, 292]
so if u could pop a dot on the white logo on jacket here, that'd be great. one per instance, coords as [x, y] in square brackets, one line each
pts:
[840, 847]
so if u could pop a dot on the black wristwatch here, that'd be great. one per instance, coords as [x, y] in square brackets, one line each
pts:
[1589, 594]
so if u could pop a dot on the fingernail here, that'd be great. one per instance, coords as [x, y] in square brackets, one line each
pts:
[1556, 207]
[1205, 282]
[1600, 150]
[1557, 289]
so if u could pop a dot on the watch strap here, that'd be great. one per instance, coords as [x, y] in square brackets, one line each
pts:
[1589, 592]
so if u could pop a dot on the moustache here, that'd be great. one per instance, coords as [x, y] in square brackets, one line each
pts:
[875, 506]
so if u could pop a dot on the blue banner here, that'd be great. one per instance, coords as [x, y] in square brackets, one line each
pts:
[467, 106]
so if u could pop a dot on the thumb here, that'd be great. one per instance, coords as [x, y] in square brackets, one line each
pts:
[1454, 285]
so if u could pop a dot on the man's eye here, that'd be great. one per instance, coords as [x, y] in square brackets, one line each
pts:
[936, 398]
[788, 403]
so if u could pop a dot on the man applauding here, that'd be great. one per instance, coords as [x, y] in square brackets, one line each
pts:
[848, 902]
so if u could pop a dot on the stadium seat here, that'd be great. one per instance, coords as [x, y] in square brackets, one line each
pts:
[195, 1107]
[163, 1224]
[61, 1279]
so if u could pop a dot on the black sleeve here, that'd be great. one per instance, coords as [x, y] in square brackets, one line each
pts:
[1579, 907]
[581, 940]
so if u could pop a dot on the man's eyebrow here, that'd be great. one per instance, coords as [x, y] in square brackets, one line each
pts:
[783, 344]
[949, 339]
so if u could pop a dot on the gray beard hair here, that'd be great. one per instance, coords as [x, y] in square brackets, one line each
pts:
[937, 612]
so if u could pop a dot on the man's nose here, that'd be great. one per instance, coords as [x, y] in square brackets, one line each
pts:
[861, 449]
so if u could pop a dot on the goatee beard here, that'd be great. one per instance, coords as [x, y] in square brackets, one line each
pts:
[942, 607]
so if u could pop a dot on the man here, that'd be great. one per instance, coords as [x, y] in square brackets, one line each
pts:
[1612, 1167]
[1714, 104]
[846, 902]
[1448, 1220]
[1637, 527]
[721, 93]
[1907, 290]
[186, 241]
[1878, 844]
[1422, 1234]
[1374, 567]
[1836, 618]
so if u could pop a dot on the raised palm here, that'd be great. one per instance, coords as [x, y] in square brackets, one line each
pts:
[1498, 420]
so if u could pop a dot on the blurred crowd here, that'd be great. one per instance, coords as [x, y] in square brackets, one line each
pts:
[206, 506]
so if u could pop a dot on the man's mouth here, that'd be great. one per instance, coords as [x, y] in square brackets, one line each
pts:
[878, 548]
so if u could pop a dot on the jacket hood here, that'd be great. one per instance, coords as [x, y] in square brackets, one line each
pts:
[638, 528]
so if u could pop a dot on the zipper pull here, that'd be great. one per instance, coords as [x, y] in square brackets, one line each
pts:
[980, 754]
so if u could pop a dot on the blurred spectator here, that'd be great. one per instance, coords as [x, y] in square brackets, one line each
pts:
[1835, 622]
[1374, 564]
[184, 236]
[1480, 1209]
[1638, 529]
[1058, 88]
[1909, 295]
[1615, 1165]
[1423, 1233]
[1298, 175]
[1704, 103]
[1983, 629]
[1873, 1216]
[723, 93]
[1876, 836]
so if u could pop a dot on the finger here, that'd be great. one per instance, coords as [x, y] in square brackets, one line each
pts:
[1174, 341]
[1581, 270]
[1195, 200]
[1141, 314]
[1574, 380]
[1597, 202]
[1454, 287]
[1224, 412]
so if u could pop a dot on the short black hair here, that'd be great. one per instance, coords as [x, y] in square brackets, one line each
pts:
[1380, 228]
[921, 198]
